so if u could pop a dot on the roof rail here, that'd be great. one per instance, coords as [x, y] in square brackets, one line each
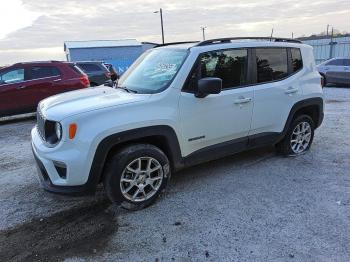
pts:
[229, 39]
[176, 43]
[37, 62]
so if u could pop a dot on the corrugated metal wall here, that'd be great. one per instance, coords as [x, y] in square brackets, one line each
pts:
[324, 49]
[120, 57]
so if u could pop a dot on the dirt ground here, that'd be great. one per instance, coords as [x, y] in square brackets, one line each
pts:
[254, 206]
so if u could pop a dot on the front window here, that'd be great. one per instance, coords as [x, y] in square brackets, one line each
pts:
[229, 65]
[335, 62]
[13, 76]
[154, 71]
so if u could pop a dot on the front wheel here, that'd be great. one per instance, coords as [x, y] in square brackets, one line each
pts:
[299, 137]
[136, 176]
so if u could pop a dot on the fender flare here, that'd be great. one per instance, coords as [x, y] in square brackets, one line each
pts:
[315, 101]
[113, 140]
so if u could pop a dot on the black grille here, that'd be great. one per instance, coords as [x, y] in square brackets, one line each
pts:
[40, 124]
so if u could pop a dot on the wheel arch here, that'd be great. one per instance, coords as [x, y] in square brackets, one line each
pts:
[312, 107]
[162, 136]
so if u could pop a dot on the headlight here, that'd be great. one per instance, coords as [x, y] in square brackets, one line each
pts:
[58, 130]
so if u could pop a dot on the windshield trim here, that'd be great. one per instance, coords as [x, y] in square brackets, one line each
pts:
[146, 91]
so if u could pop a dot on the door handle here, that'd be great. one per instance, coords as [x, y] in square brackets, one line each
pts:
[21, 87]
[57, 80]
[291, 90]
[243, 100]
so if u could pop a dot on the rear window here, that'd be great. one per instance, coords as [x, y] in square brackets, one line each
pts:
[272, 64]
[90, 67]
[297, 62]
[44, 71]
[76, 69]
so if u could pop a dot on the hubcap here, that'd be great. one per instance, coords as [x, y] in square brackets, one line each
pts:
[141, 179]
[300, 138]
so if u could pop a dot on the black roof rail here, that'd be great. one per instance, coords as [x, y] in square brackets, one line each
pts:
[229, 39]
[38, 62]
[176, 43]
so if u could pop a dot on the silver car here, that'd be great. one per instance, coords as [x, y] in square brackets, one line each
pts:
[335, 70]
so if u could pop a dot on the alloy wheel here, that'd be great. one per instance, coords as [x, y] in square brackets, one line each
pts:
[141, 179]
[301, 137]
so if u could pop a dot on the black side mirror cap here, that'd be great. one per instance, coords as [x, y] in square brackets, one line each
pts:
[108, 83]
[208, 85]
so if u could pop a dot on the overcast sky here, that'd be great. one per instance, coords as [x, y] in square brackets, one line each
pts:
[36, 29]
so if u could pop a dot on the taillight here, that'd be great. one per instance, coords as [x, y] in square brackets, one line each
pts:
[323, 82]
[84, 80]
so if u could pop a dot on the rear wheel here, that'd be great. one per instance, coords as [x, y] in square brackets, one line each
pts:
[136, 176]
[299, 137]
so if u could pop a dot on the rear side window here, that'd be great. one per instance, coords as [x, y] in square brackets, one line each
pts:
[272, 64]
[90, 67]
[229, 65]
[297, 62]
[346, 62]
[44, 71]
[335, 62]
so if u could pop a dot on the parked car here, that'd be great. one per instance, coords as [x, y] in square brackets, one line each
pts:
[113, 71]
[335, 70]
[96, 71]
[178, 106]
[23, 85]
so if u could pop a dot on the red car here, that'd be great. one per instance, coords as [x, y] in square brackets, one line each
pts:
[23, 85]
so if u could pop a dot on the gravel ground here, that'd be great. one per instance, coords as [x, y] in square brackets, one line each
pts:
[254, 206]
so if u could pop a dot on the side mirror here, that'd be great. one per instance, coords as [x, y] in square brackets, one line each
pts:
[108, 83]
[207, 86]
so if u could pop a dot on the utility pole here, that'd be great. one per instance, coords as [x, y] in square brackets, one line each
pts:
[331, 45]
[203, 31]
[292, 35]
[161, 22]
[271, 33]
[327, 29]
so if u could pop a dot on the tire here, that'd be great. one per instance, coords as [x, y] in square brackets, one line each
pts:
[131, 165]
[93, 84]
[289, 145]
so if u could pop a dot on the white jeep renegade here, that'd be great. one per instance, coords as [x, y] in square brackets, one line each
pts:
[176, 106]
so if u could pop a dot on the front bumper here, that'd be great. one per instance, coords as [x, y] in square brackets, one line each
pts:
[47, 174]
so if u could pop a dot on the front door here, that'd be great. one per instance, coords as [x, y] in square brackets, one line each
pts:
[221, 118]
[11, 83]
[40, 85]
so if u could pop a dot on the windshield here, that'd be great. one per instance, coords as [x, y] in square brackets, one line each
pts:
[154, 71]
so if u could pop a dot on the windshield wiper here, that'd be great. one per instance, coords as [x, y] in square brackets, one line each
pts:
[127, 89]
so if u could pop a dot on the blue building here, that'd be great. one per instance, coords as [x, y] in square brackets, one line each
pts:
[120, 53]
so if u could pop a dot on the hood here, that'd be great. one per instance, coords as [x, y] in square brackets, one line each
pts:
[72, 103]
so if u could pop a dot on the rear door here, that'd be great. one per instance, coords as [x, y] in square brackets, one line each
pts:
[11, 83]
[342, 74]
[276, 90]
[40, 83]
